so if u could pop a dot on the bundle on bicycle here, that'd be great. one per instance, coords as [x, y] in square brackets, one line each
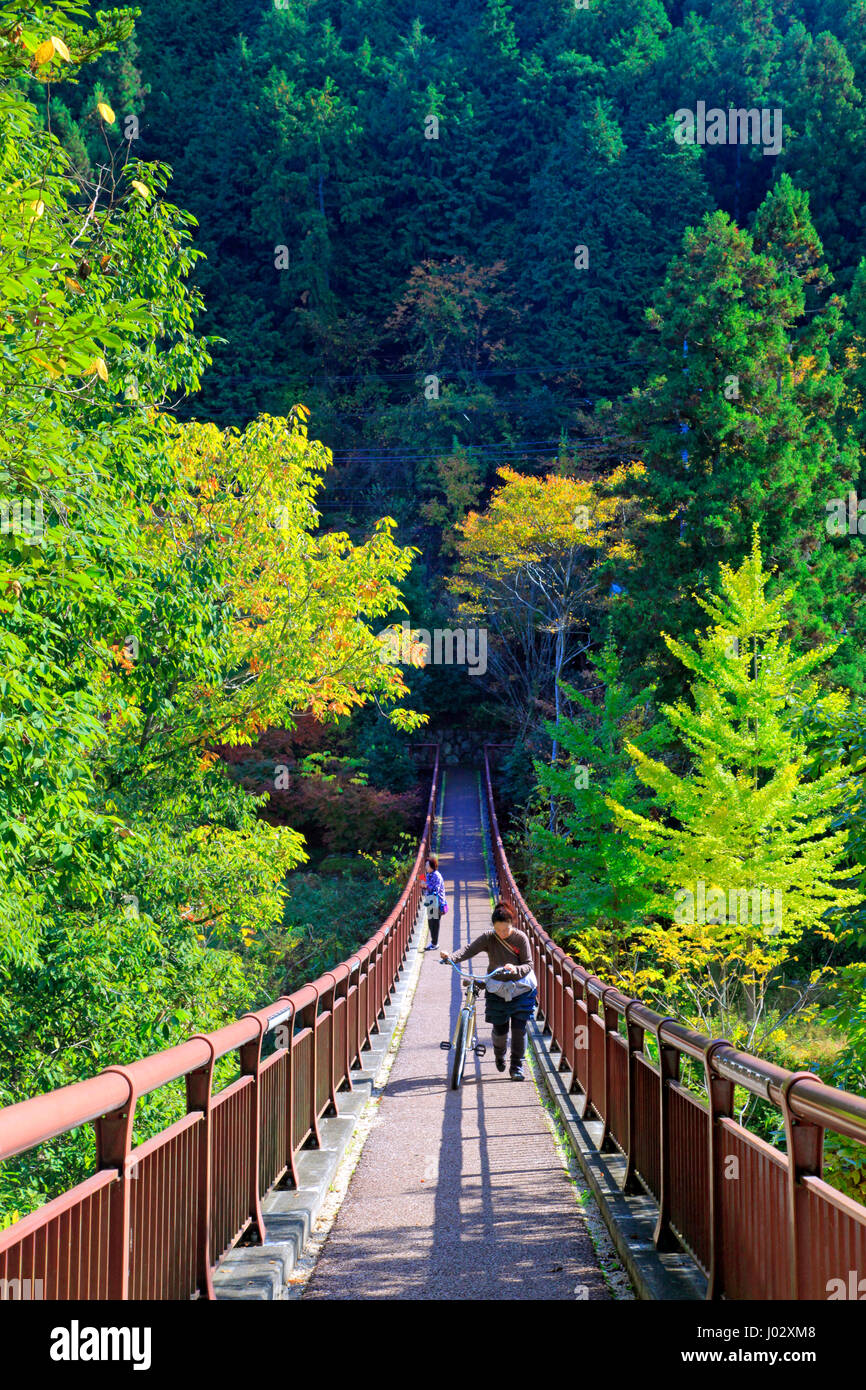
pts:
[510, 989]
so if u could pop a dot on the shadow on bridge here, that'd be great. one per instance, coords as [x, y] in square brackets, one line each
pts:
[458, 1194]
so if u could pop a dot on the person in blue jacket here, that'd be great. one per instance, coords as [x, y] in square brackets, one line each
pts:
[434, 887]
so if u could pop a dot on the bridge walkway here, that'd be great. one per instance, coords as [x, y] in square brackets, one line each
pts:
[457, 1194]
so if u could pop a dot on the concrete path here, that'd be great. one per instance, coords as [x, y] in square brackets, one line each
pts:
[458, 1194]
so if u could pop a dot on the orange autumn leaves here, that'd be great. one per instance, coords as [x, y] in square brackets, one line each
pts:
[531, 522]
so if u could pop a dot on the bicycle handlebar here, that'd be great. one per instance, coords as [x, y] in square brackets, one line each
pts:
[476, 979]
[497, 974]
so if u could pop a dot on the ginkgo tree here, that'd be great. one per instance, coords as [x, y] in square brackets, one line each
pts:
[742, 852]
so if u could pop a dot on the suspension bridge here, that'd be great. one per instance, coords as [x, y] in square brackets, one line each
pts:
[457, 1194]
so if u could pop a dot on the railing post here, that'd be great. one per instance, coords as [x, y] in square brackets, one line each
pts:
[391, 974]
[386, 970]
[332, 1047]
[558, 974]
[403, 930]
[113, 1144]
[354, 1042]
[365, 977]
[544, 989]
[588, 1001]
[342, 978]
[720, 1099]
[566, 1059]
[293, 1178]
[250, 1058]
[283, 1024]
[374, 1001]
[635, 1045]
[669, 1070]
[578, 977]
[805, 1145]
[309, 1021]
[610, 1019]
[199, 1094]
[385, 983]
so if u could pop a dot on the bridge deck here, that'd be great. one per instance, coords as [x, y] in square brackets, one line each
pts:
[457, 1194]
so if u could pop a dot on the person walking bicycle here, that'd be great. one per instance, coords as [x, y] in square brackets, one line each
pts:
[510, 958]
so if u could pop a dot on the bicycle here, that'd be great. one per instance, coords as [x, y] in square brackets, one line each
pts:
[464, 1032]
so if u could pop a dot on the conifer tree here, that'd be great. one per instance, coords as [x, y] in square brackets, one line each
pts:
[738, 430]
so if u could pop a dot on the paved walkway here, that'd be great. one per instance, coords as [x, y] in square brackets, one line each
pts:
[458, 1194]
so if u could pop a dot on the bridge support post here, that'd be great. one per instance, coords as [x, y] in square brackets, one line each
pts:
[330, 998]
[547, 980]
[610, 1018]
[199, 1093]
[635, 1045]
[366, 982]
[392, 958]
[375, 1000]
[720, 1097]
[354, 1034]
[567, 1060]
[250, 1058]
[669, 1071]
[290, 1177]
[590, 1003]
[805, 1145]
[113, 1143]
[307, 1015]
[342, 1065]
[557, 1012]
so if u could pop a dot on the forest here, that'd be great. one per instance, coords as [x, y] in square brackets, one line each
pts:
[328, 319]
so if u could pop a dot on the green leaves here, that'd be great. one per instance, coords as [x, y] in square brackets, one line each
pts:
[751, 821]
[597, 889]
[164, 590]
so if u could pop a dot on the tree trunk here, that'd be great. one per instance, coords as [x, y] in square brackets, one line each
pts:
[560, 655]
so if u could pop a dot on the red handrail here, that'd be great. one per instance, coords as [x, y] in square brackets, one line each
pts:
[708, 1175]
[155, 1220]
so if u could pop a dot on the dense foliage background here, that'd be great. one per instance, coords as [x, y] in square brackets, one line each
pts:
[320, 316]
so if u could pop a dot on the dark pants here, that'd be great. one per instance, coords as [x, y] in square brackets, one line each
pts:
[518, 1039]
[433, 924]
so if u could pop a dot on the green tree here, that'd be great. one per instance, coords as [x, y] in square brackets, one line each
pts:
[598, 891]
[164, 589]
[739, 427]
[742, 848]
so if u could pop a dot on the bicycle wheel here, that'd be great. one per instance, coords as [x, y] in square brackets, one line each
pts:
[460, 1050]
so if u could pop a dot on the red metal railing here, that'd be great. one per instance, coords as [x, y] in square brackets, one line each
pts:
[760, 1223]
[155, 1219]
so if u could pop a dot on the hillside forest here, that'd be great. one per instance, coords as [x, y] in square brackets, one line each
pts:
[328, 327]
